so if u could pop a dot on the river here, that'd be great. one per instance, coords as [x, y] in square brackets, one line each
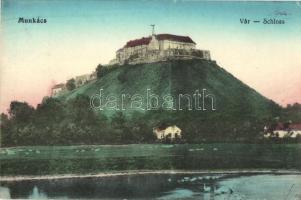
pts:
[161, 186]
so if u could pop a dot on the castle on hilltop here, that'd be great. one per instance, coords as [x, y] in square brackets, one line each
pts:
[158, 47]
[155, 48]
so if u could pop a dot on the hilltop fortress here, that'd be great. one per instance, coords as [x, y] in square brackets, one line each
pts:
[155, 48]
[160, 47]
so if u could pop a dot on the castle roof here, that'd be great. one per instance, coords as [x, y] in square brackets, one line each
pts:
[177, 38]
[146, 40]
[138, 42]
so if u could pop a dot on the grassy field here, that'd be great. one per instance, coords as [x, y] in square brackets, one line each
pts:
[49, 160]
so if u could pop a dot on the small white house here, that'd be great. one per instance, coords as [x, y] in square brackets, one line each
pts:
[295, 129]
[170, 132]
[292, 131]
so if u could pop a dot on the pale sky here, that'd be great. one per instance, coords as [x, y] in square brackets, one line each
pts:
[79, 35]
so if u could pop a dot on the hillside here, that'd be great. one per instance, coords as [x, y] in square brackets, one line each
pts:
[238, 107]
[179, 77]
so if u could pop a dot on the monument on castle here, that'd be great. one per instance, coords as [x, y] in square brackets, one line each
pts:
[158, 47]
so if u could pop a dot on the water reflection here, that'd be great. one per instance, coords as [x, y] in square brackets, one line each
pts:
[4, 193]
[37, 194]
[159, 186]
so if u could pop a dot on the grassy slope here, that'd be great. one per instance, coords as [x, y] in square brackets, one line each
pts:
[174, 77]
[126, 80]
[231, 94]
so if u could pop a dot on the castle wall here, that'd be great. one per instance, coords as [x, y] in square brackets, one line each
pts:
[154, 44]
[171, 54]
[168, 44]
[126, 53]
[159, 50]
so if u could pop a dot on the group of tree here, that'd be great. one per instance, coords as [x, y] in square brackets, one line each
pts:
[292, 112]
[58, 122]
[55, 122]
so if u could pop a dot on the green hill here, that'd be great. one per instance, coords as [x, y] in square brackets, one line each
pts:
[237, 106]
[174, 78]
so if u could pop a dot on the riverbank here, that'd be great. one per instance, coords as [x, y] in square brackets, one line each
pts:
[154, 172]
[95, 159]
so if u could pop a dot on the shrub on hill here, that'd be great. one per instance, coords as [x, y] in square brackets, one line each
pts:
[70, 85]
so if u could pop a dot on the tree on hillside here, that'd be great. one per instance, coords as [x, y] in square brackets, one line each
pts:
[292, 113]
[80, 110]
[20, 111]
[122, 133]
[118, 120]
[100, 71]
[13, 126]
[50, 110]
[70, 85]
[5, 137]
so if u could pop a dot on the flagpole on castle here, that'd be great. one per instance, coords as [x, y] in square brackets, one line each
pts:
[153, 29]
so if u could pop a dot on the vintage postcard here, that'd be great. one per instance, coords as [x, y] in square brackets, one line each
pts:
[149, 99]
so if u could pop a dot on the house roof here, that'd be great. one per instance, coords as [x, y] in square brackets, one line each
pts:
[164, 127]
[295, 126]
[146, 40]
[279, 126]
[61, 85]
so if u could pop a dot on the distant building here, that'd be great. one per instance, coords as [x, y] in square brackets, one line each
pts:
[284, 131]
[169, 132]
[295, 129]
[79, 81]
[82, 79]
[158, 47]
[57, 89]
[85, 78]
